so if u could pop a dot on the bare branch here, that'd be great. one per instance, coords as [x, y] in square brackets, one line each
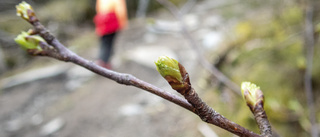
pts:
[255, 101]
[188, 6]
[178, 78]
[51, 47]
[309, 45]
[262, 120]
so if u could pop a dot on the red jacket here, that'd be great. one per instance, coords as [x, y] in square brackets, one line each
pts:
[106, 23]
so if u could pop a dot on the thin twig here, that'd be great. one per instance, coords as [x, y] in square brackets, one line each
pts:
[255, 101]
[209, 115]
[128, 79]
[181, 83]
[188, 6]
[204, 62]
[60, 52]
[309, 45]
[53, 48]
[262, 120]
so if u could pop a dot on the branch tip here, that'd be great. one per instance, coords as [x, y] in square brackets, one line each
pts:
[252, 94]
[169, 67]
[24, 10]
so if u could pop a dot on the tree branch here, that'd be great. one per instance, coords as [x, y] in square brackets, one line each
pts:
[255, 101]
[188, 6]
[262, 120]
[179, 80]
[309, 45]
[51, 47]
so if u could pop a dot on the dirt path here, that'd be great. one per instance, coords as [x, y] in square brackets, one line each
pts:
[79, 103]
[108, 109]
[100, 107]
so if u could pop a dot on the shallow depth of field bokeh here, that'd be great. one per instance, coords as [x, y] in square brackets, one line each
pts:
[257, 41]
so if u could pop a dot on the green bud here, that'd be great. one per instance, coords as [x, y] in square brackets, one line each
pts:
[27, 41]
[251, 93]
[22, 10]
[169, 67]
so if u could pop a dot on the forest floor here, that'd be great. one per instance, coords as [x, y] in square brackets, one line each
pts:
[61, 99]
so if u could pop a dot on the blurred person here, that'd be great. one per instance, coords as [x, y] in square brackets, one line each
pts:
[111, 16]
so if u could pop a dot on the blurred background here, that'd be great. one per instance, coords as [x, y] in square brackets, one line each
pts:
[257, 41]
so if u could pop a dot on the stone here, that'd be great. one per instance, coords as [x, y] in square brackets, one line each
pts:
[33, 75]
[77, 75]
[52, 127]
[146, 55]
[131, 110]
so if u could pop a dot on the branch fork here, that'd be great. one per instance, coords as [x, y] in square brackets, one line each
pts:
[178, 78]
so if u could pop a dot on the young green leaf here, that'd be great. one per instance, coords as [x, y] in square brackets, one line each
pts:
[27, 41]
[22, 10]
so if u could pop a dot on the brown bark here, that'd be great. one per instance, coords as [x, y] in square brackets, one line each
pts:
[262, 120]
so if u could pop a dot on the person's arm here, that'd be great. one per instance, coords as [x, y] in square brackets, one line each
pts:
[121, 12]
[105, 6]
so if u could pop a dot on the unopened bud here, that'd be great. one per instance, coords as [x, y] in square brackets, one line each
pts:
[168, 67]
[252, 94]
[27, 41]
[22, 10]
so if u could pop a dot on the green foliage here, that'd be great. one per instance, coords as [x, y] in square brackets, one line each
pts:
[292, 15]
[268, 49]
[243, 30]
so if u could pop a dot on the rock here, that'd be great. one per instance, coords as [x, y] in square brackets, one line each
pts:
[166, 26]
[33, 75]
[192, 21]
[212, 39]
[143, 103]
[131, 109]
[206, 131]
[52, 127]
[36, 119]
[13, 125]
[146, 55]
[150, 38]
[77, 75]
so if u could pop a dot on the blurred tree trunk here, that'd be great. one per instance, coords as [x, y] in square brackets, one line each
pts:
[142, 8]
